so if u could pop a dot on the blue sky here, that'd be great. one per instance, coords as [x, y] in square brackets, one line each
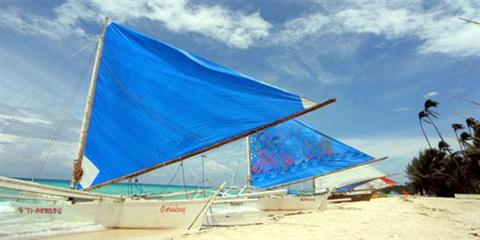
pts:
[380, 59]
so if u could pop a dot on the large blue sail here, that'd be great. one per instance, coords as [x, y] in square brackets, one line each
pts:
[155, 103]
[293, 151]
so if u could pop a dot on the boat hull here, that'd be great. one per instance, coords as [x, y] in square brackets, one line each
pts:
[181, 214]
[293, 202]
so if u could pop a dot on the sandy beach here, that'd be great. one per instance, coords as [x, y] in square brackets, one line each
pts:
[382, 218]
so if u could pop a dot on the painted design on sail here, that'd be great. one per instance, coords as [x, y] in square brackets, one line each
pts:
[155, 104]
[293, 151]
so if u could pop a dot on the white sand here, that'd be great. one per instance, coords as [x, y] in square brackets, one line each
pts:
[384, 218]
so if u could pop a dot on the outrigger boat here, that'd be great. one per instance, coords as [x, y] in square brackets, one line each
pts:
[356, 183]
[292, 153]
[150, 105]
[348, 177]
[375, 184]
[363, 190]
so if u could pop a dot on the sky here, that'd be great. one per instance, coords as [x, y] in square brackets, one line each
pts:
[380, 59]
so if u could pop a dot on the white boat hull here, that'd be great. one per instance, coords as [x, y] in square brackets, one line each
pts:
[293, 202]
[182, 214]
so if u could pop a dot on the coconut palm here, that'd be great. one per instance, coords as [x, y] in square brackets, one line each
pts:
[427, 108]
[421, 116]
[476, 138]
[464, 137]
[429, 103]
[471, 123]
[444, 146]
[456, 127]
[474, 125]
[427, 174]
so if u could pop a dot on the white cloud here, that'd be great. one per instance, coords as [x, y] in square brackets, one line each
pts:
[23, 156]
[437, 27]
[296, 29]
[236, 29]
[402, 109]
[402, 148]
[66, 22]
[394, 147]
[430, 94]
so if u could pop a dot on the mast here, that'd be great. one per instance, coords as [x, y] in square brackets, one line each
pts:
[314, 186]
[249, 172]
[77, 164]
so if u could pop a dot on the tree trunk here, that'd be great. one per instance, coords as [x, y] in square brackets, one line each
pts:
[436, 129]
[424, 134]
[459, 142]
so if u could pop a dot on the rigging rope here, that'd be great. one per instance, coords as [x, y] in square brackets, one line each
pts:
[235, 173]
[183, 180]
[60, 124]
[203, 175]
[35, 91]
[139, 187]
[40, 76]
[171, 180]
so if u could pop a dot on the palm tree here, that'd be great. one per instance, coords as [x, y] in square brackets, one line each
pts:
[442, 146]
[427, 108]
[421, 115]
[476, 137]
[427, 174]
[456, 127]
[471, 123]
[464, 137]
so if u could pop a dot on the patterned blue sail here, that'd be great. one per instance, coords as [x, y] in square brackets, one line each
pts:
[292, 151]
[155, 104]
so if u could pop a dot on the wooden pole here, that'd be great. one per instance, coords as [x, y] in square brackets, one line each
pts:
[77, 164]
[47, 190]
[216, 145]
[469, 21]
[314, 186]
[249, 158]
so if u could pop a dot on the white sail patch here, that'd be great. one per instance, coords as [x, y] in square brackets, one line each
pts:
[307, 103]
[348, 176]
[90, 172]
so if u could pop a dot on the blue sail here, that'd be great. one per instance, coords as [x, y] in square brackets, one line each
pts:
[155, 103]
[352, 186]
[293, 151]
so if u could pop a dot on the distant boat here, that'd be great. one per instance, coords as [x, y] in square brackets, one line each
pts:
[357, 183]
[371, 185]
[349, 179]
[151, 105]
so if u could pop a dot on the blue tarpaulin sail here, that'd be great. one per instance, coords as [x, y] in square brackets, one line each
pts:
[293, 151]
[154, 103]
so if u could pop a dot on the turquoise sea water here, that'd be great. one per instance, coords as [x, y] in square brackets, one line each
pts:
[120, 188]
[13, 226]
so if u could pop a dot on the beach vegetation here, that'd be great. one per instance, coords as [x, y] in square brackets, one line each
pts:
[441, 171]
